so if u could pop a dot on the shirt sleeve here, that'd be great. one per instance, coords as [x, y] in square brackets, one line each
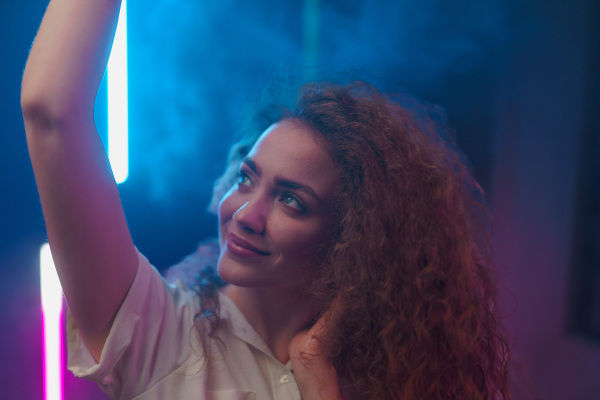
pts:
[149, 339]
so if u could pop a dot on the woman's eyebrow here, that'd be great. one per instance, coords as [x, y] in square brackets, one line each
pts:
[286, 183]
[251, 164]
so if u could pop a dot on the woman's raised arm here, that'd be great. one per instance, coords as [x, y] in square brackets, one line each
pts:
[91, 244]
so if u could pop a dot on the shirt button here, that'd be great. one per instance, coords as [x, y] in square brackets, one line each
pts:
[284, 379]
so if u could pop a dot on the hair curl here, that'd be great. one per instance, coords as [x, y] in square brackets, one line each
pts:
[406, 286]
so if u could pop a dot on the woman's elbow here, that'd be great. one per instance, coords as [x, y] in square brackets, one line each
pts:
[37, 113]
[44, 113]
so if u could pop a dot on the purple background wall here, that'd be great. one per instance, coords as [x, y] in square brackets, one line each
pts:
[515, 77]
[541, 116]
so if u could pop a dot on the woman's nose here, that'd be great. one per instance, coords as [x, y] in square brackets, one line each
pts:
[250, 217]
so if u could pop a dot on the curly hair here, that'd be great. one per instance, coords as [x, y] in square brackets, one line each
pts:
[406, 285]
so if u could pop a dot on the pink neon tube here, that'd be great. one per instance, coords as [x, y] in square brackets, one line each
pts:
[52, 301]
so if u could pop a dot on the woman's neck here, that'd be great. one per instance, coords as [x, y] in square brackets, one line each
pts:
[277, 314]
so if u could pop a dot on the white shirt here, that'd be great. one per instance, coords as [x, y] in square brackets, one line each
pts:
[153, 350]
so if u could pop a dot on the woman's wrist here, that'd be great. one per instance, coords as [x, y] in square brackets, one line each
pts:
[316, 377]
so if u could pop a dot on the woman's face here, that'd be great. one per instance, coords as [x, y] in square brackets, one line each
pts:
[274, 219]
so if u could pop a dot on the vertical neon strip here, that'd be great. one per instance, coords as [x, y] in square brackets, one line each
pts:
[312, 19]
[117, 101]
[52, 326]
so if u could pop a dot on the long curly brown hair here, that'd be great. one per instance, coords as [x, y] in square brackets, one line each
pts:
[406, 286]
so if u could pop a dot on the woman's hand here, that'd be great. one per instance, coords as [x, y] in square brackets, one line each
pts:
[316, 377]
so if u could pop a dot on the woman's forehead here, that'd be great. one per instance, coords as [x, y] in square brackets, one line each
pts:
[289, 139]
[291, 151]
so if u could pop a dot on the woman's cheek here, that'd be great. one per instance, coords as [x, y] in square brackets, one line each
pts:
[226, 206]
[226, 211]
[300, 238]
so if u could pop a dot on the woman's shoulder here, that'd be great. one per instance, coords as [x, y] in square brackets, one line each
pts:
[186, 272]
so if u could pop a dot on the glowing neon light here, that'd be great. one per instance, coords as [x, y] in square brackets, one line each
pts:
[118, 146]
[52, 301]
[312, 19]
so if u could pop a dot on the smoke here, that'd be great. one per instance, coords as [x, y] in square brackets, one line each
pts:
[415, 43]
[196, 64]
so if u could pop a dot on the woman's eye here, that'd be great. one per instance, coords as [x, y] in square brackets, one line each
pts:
[292, 201]
[243, 179]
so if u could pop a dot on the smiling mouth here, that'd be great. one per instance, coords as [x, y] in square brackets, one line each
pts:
[241, 247]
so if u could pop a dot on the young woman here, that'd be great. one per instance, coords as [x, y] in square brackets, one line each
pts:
[349, 238]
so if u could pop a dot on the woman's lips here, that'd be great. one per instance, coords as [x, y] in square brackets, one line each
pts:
[240, 247]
